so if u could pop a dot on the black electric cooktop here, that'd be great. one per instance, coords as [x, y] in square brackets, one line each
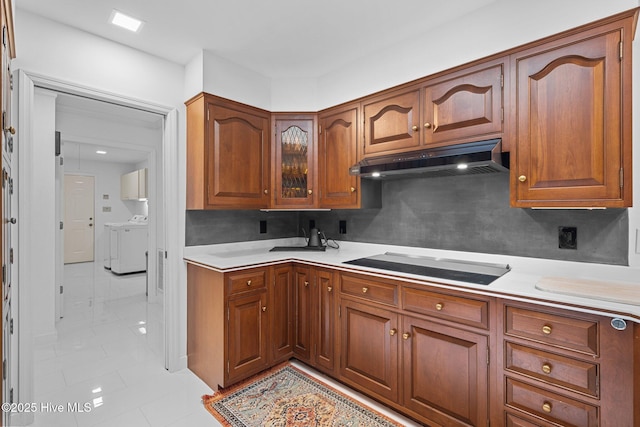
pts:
[462, 271]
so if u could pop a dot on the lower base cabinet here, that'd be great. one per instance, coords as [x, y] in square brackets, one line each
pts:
[566, 368]
[369, 348]
[423, 351]
[445, 372]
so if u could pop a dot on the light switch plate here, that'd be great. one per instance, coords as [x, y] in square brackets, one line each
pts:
[106, 209]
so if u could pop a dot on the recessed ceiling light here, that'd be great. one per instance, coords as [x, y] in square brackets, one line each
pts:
[125, 21]
[101, 152]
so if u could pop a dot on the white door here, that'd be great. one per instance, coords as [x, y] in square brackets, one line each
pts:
[78, 218]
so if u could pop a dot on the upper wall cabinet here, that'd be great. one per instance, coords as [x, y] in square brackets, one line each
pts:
[572, 120]
[228, 154]
[295, 171]
[460, 106]
[133, 185]
[392, 122]
[337, 152]
[464, 106]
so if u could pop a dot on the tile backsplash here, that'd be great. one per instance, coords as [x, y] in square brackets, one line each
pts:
[465, 213]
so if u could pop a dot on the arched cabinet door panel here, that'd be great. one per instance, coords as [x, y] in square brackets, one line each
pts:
[573, 145]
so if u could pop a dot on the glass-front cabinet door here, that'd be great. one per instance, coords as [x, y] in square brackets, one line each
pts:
[295, 158]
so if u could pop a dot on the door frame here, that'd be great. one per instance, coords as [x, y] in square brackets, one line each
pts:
[173, 213]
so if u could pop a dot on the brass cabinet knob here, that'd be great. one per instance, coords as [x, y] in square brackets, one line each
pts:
[310, 192]
[248, 282]
[415, 128]
[546, 407]
[546, 329]
[427, 125]
[11, 130]
[546, 368]
[439, 306]
[406, 335]
[365, 290]
[264, 308]
[306, 283]
[522, 178]
[266, 191]
[392, 332]
[329, 288]
[353, 189]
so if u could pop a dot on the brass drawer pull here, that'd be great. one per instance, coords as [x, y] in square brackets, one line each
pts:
[329, 288]
[353, 189]
[546, 407]
[392, 332]
[546, 368]
[415, 128]
[365, 290]
[406, 335]
[522, 178]
[248, 282]
[427, 125]
[546, 329]
[439, 306]
[306, 283]
[264, 308]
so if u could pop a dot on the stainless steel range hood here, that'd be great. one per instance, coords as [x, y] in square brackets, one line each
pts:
[469, 158]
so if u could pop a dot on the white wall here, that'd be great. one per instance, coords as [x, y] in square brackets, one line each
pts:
[499, 26]
[42, 226]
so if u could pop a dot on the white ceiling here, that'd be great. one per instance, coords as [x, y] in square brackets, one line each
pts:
[277, 38]
[86, 150]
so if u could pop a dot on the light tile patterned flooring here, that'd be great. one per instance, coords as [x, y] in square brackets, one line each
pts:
[109, 355]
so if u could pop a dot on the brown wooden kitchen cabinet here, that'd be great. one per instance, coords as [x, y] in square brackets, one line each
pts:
[231, 333]
[564, 368]
[391, 122]
[465, 105]
[324, 315]
[571, 101]
[337, 152]
[425, 353]
[302, 307]
[369, 348]
[280, 315]
[294, 161]
[314, 310]
[228, 154]
[445, 372]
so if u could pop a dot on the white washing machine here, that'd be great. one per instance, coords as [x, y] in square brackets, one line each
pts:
[126, 245]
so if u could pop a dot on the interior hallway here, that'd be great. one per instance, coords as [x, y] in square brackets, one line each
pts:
[109, 354]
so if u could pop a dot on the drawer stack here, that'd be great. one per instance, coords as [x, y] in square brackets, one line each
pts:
[553, 367]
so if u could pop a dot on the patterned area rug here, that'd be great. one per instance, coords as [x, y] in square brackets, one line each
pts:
[288, 397]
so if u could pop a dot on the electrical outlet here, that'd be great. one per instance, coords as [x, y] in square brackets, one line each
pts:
[567, 237]
[342, 227]
[263, 226]
[106, 209]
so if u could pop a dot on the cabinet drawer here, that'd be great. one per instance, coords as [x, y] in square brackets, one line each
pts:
[386, 293]
[559, 370]
[513, 421]
[459, 309]
[550, 406]
[246, 281]
[575, 334]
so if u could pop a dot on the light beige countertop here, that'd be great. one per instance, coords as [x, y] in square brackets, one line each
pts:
[594, 288]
